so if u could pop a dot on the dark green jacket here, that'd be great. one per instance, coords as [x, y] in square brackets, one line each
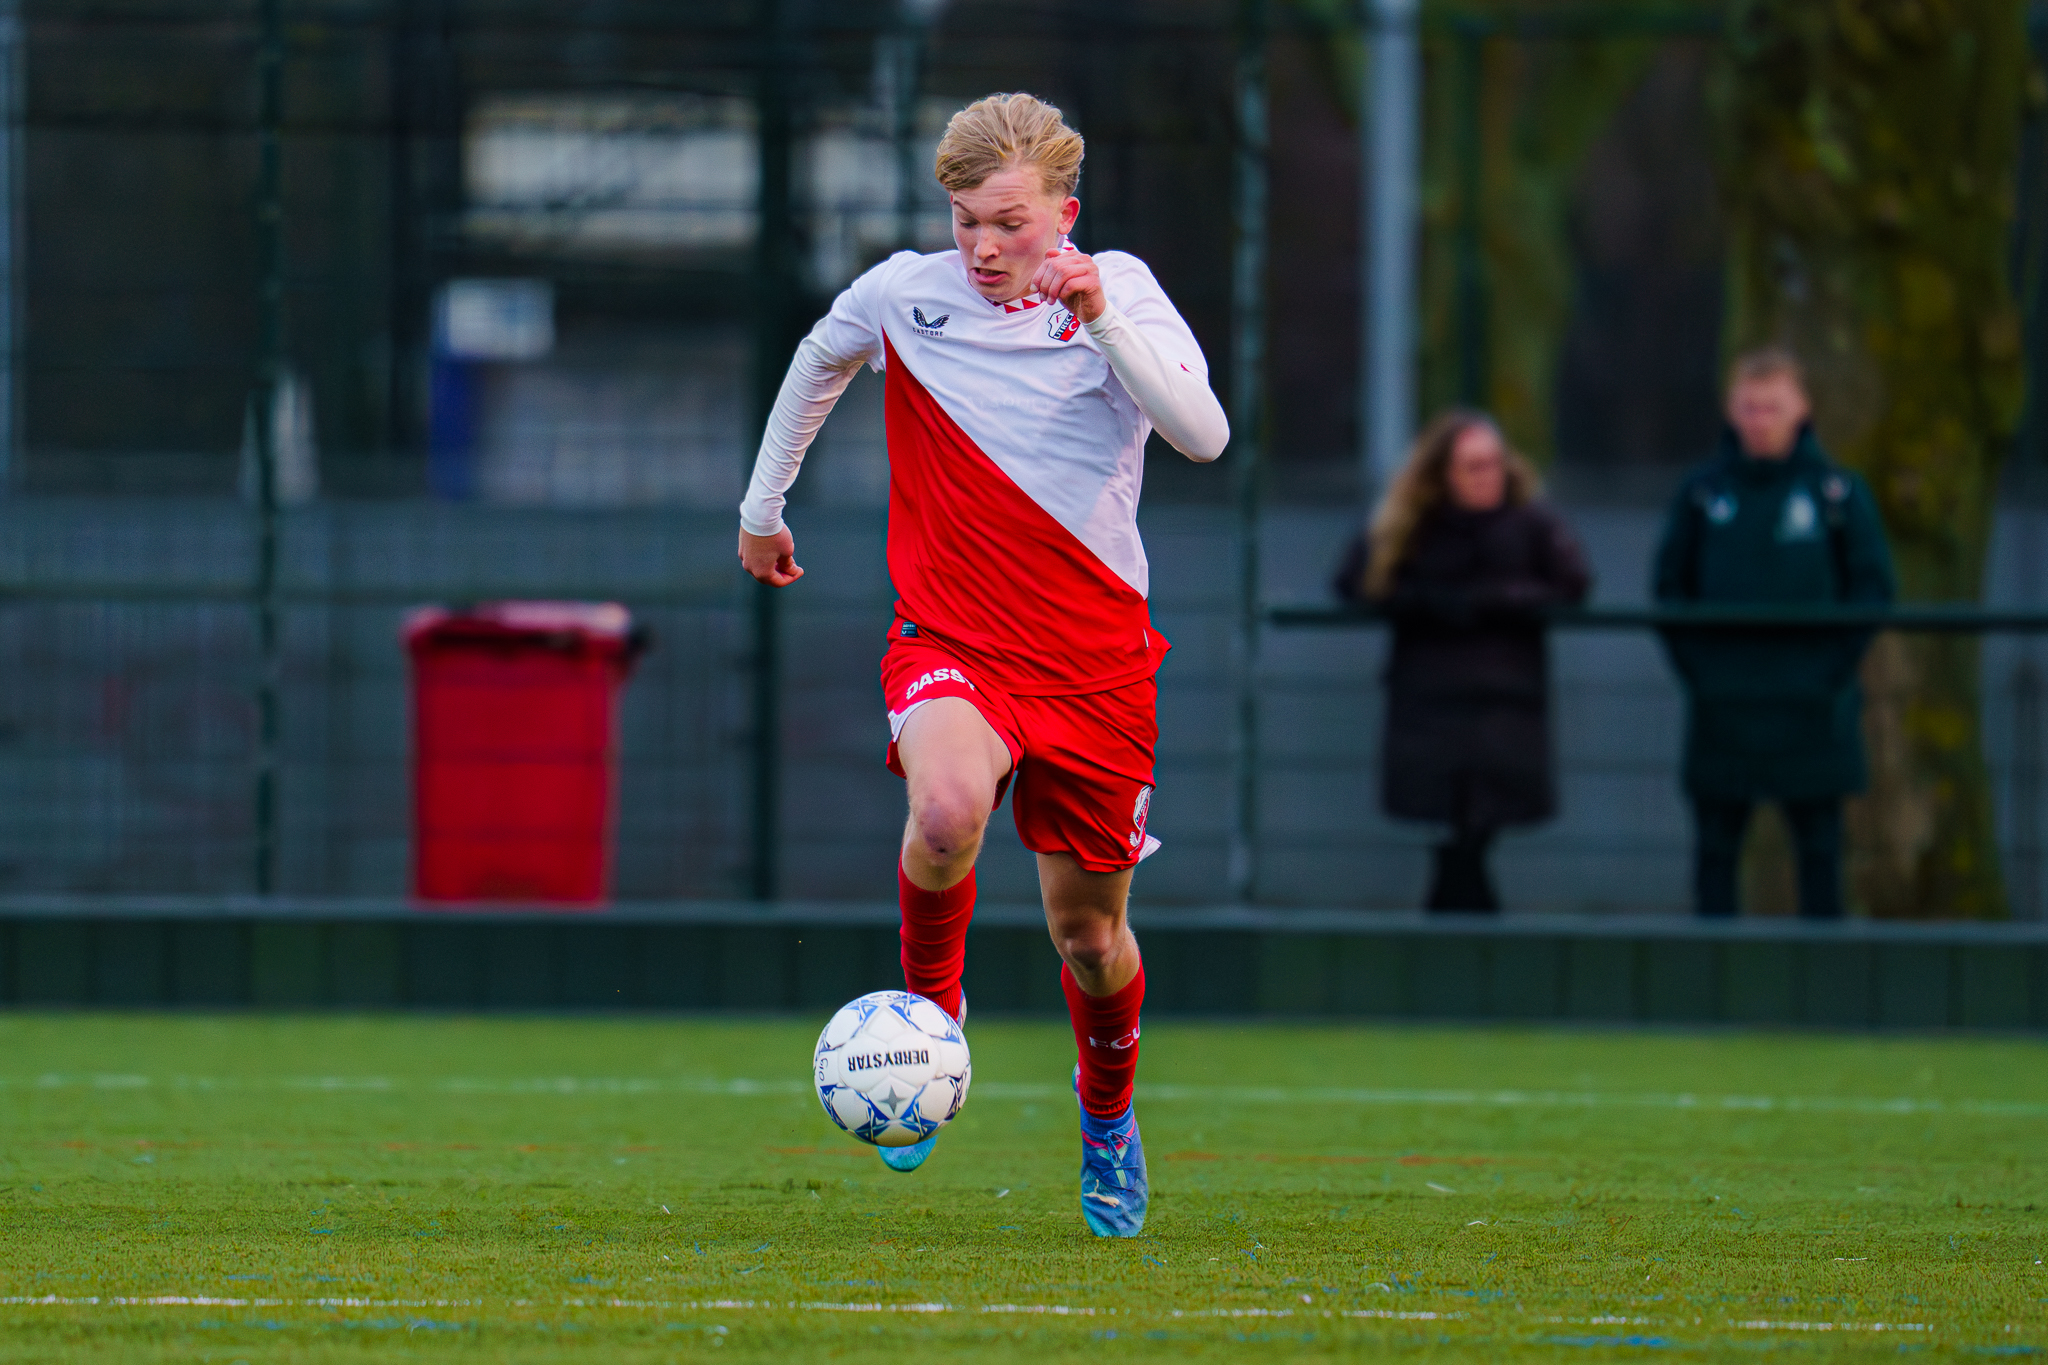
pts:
[1773, 713]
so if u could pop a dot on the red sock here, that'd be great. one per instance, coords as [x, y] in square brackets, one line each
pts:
[1106, 1035]
[935, 938]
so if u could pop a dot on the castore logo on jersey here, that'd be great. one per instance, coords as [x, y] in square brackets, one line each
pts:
[928, 327]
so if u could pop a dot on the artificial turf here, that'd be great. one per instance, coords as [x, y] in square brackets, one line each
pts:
[401, 1188]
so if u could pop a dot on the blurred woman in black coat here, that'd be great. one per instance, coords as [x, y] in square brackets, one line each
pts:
[1465, 559]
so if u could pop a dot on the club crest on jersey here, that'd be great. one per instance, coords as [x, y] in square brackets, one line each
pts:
[1139, 813]
[1800, 519]
[928, 327]
[1062, 326]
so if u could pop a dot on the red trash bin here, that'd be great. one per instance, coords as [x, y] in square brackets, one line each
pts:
[515, 749]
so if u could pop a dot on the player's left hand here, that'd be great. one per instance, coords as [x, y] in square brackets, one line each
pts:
[1071, 278]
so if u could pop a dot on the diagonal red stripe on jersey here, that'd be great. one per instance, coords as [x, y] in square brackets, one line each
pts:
[984, 570]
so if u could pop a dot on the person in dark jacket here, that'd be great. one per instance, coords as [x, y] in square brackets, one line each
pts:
[1773, 715]
[1465, 560]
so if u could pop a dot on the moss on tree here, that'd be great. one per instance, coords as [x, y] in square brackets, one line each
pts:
[1868, 157]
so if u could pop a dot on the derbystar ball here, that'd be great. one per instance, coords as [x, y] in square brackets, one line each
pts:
[892, 1068]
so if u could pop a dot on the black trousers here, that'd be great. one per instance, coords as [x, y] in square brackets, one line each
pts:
[1816, 837]
[1460, 879]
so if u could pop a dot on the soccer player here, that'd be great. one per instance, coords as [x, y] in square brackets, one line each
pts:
[1021, 379]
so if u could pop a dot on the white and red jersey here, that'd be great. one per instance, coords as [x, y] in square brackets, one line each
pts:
[1016, 455]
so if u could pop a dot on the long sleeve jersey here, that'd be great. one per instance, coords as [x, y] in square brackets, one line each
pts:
[1016, 454]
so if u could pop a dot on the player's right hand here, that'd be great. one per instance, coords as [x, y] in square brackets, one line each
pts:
[771, 559]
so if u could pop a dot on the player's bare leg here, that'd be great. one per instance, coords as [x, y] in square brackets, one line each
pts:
[953, 761]
[1086, 913]
[954, 764]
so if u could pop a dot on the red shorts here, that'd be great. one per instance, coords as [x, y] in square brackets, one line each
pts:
[1083, 765]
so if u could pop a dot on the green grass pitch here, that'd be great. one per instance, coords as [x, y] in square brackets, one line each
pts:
[190, 1188]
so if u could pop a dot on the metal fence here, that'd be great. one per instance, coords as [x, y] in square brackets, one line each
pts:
[318, 309]
[135, 663]
[126, 766]
[541, 266]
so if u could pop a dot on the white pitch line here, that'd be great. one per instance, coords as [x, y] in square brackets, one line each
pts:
[1568, 1099]
[1315, 1313]
[772, 1305]
[1012, 1090]
[1053, 1309]
[1401, 1317]
[1602, 1322]
[215, 1301]
[211, 1301]
[1833, 1326]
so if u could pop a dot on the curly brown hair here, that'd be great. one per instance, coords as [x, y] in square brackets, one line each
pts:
[1423, 485]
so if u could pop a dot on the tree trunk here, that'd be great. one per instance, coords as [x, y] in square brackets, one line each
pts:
[1868, 165]
[1507, 122]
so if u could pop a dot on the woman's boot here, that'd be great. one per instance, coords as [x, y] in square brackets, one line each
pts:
[1461, 881]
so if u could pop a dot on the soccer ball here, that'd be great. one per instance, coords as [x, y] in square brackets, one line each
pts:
[892, 1068]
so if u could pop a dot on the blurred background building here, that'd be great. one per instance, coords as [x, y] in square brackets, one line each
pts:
[540, 267]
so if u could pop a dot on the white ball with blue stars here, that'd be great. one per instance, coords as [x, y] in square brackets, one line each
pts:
[892, 1068]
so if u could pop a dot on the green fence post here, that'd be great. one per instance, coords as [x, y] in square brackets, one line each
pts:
[904, 51]
[1471, 253]
[1247, 416]
[269, 376]
[13, 235]
[774, 268]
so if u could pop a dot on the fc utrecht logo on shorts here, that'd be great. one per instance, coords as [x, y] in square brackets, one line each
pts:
[1139, 813]
[1063, 326]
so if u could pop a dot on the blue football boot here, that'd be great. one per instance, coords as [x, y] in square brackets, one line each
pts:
[1114, 1191]
[911, 1157]
[907, 1158]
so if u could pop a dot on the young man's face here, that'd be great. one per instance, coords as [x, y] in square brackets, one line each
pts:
[1004, 226]
[1767, 412]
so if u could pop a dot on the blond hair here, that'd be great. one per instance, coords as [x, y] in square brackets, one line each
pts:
[1423, 485]
[1767, 362]
[997, 132]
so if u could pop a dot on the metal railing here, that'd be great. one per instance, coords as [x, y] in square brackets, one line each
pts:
[2025, 797]
[132, 708]
[1953, 618]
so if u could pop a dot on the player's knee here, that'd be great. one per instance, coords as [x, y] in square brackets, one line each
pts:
[1088, 947]
[947, 822]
